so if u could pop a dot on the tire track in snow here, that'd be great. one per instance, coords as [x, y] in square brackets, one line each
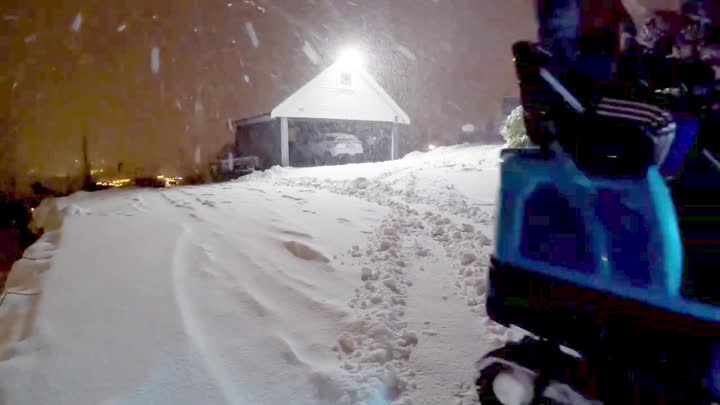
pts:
[217, 351]
[184, 255]
[268, 339]
[298, 288]
[188, 256]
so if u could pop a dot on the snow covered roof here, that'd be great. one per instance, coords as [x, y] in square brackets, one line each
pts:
[342, 93]
[257, 119]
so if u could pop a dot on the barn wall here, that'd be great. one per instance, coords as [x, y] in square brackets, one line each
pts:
[261, 140]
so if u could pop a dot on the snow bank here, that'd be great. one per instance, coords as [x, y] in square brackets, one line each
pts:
[46, 216]
[19, 299]
[514, 131]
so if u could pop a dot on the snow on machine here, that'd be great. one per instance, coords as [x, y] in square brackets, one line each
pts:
[608, 237]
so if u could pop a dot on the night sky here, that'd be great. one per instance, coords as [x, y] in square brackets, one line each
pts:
[79, 67]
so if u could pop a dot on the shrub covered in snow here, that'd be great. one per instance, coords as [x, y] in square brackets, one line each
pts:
[513, 130]
[47, 216]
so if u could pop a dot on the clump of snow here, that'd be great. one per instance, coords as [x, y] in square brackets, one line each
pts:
[305, 252]
[384, 245]
[73, 209]
[377, 356]
[392, 286]
[467, 258]
[513, 388]
[513, 130]
[360, 183]
[346, 342]
[368, 274]
[483, 239]
[409, 338]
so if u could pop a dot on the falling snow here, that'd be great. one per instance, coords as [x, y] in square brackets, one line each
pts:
[155, 60]
[246, 78]
[454, 105]
[252, 3]
[77, 23]
[197, 155]
[311, 53]
[468, 128]
[406, 53]
[252, 34]
[221, 59]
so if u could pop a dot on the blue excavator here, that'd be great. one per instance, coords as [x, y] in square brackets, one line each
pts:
[607, 247]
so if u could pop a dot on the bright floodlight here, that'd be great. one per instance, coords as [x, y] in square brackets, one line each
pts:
[351, 57]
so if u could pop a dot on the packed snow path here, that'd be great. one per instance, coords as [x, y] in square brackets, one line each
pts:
[332, 285]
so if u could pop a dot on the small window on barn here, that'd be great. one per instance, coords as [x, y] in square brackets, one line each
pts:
[346, 80]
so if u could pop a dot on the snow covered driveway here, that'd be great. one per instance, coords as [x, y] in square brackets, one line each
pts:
[331, 285]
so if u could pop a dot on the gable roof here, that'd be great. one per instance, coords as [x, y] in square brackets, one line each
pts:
[325, 97]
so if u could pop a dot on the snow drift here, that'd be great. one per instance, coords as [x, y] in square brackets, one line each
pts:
[355, 284]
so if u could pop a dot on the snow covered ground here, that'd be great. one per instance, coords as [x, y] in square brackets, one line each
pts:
[330, 285]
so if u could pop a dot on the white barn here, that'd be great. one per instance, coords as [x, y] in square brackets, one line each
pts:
[342, 98]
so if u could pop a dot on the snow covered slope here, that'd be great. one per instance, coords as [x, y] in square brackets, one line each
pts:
[332, 285]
